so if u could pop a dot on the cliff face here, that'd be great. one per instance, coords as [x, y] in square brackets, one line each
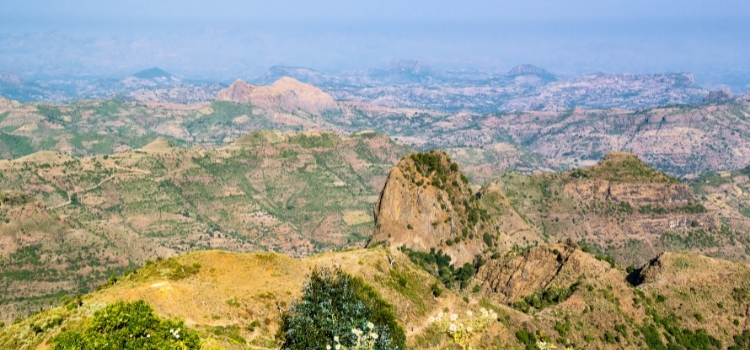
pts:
[285, 94]
[511, 278]
[427, 203]
[620, 207]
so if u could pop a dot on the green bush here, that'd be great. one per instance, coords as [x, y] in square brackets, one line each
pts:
[545, 298]
[125, 325]
[334, 303]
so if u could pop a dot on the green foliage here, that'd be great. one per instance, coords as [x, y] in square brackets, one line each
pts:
[676, 337]
[545, 298]
[332, 304]
[741, 341]
[313, 141]
[606, 258]
[16, 146]
[124, 325]
[432, 161]
[649, 209]
[528, 339]
[52, 113]
[438, 264]
[693, 239]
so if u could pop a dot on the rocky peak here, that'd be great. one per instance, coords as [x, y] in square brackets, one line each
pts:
[238, 92]
[286, 94]
[427, 203]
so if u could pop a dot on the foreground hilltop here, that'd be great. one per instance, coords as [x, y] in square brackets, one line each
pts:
[565, 297]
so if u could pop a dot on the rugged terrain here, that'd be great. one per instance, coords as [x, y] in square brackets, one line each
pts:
[619, 208]
[681, 140]
[409, 83]
[68, 223]
[234, 300]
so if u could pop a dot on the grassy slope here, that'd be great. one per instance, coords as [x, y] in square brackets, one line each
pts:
[235, 300]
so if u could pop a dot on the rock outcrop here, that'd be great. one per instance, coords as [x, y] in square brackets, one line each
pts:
[427, 203]
[514, 277]
[286, 94]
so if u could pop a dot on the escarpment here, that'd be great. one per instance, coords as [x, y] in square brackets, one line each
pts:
[427, 203]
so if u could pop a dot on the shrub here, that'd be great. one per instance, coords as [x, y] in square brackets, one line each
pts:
[333, 304]
[124, 325]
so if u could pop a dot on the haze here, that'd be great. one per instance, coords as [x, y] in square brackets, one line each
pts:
[224, 40]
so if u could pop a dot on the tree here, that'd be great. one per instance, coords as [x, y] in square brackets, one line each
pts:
[124, 325]
[333, 305]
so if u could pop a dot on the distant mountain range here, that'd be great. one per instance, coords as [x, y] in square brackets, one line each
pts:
[152, 84]
[402, 83]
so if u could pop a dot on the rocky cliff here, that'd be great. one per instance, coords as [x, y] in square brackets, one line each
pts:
[427, 203]
[285, 94]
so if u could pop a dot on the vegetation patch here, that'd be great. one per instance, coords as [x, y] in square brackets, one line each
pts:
[124, 325]
[545, 298]
[336, 308]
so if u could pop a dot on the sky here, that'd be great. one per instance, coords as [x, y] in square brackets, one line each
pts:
[227, 39]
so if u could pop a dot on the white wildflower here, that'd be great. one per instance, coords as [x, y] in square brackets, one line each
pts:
[370, 325]
[338, 346]
[328, 347]
[454, 317]
[452, 327]
[374, 335]
[483, 311]
[440, 315]
[431, 319]
[469, 313]
[336, 338]
[469, 329]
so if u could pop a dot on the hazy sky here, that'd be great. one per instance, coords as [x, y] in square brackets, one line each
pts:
[227, 39]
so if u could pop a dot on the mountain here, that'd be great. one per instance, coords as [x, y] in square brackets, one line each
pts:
[619, 208]
[152, 73]
[286, 94]
[427, 203]
[528, 69]
[412, 67]
[68, 223]
[622, 208]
